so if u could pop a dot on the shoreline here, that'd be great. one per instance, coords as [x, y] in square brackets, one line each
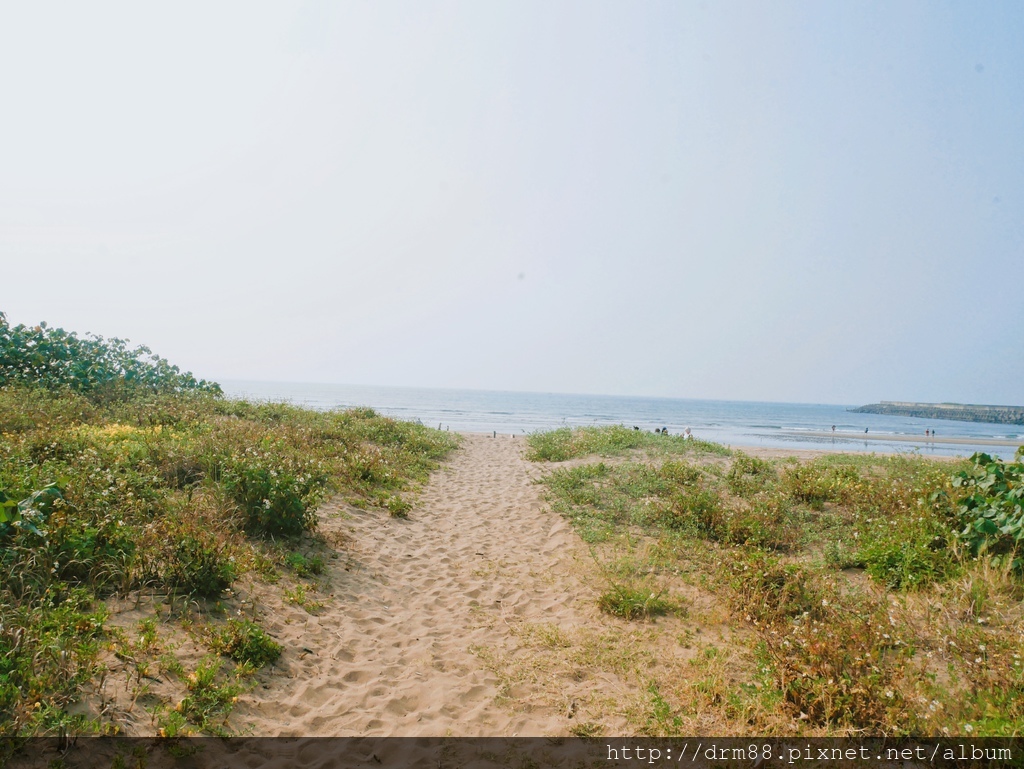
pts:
[845, 436]
[924, 440]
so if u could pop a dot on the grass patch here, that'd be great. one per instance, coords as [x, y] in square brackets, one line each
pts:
[300, 596]
[304, 566]
[246, 643]
[634, 602]
[860, 587]
[210, 698]
[570, 443]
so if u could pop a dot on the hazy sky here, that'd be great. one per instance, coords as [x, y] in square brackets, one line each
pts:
[819, 201]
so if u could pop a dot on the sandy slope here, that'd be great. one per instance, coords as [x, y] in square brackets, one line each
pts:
[392, 652]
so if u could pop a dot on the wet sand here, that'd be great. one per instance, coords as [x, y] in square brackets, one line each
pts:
[919, 439]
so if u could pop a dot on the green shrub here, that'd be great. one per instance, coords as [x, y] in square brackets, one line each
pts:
[246, 643]
[209, 702]
[56, 359]
[195, 559]
[769, 522]
[30, 515]
[395, 504]
[303, 566]
[907, 556]
[749, 475]
[818, 482]
[277, 494]
[839, 555]
[697, 511]
[992, 512]
[676, 474]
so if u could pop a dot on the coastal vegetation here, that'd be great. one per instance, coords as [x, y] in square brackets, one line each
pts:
[568, 443]
[123, 477]
[872, 595]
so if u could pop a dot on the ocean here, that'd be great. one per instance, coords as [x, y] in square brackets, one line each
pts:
[734, 423]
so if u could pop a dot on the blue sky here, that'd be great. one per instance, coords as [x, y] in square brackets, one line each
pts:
[797, 201]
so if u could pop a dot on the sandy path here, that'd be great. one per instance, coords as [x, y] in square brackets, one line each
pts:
[392, 651]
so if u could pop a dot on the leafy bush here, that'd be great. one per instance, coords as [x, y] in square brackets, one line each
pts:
[908, 556]
[274, 499]
[748, 475]
[195, 558]
[816, 483]
[30, 515]
[246, 643]
[698, 511]
[769, 522]
[992, 512]
[209, 702]
[57, 359]
[303, 566]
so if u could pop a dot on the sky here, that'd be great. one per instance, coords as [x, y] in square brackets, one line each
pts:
[792, 201]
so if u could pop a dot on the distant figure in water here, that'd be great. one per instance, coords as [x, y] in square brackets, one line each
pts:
[926, 433]
[833, 428]
[865, 431]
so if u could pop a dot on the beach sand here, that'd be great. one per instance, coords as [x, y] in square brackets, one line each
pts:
[395, 649]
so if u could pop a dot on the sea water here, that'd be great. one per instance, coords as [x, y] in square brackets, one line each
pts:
[734, 423]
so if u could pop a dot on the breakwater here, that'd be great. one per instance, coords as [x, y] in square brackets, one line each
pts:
[963, 412]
